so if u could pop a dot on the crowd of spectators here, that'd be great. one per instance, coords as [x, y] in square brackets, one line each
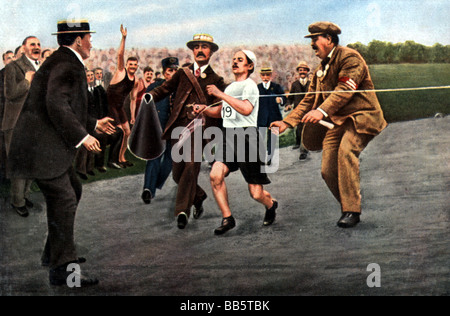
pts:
[282, 58]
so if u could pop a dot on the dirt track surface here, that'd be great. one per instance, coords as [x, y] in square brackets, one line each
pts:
[136, 249]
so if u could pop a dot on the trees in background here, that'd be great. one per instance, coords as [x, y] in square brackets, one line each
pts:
[379, 52]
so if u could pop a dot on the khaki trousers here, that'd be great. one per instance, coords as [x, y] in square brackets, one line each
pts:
[340, 164]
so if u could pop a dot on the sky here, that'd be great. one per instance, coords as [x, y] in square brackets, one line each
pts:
[171, 23]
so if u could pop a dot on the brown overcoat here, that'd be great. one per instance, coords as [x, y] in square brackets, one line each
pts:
[339, 93]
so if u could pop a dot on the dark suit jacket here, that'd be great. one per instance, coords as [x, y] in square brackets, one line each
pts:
[16, 90]
[269, 110]
[54, 119]
[98, 104]
[185, 94]
[294, 99]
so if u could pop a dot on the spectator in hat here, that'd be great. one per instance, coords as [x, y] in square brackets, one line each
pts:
[296, 95]
[158, 170]
[189, 85]
[271, 98]
[352, 108]
[53, 124]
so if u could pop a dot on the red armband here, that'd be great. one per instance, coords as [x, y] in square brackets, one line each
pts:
[349, 83]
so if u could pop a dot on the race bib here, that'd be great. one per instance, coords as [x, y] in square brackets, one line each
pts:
[228, 112]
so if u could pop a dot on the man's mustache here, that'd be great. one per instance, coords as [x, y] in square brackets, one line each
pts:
[200, 54]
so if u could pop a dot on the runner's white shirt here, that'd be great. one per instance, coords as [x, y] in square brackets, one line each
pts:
[242, 90]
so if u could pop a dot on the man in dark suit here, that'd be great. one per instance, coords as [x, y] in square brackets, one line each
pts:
[296, 95]
[18, 77]
[185, 173]
[54, 122]
[271, 97]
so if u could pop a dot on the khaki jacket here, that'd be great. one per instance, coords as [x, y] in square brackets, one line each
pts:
[347, 72]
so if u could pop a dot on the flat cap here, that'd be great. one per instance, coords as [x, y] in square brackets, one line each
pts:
[320, 28]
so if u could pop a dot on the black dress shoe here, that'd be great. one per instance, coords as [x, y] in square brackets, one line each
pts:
[114, 165]
[101, 169]
[146, 197]
[269, 218]
[348, 219]
[295, 147]
[22, 211]
[182, 220]
[28, 203]
[227, 224]
[198, 208]
[59, 275]
[91, 173]
[128, 163]
[303, 156]
[82, 175]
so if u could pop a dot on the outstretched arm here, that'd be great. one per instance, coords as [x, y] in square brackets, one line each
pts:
[121, 51]
[120, 72]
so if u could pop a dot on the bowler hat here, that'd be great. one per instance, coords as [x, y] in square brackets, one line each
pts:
[170, 62]
[321, 28]
[203, 38]
[73, 26]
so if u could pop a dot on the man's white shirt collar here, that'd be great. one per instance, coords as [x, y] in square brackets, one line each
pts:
[33, 62]
[76, 54]
[202, 68]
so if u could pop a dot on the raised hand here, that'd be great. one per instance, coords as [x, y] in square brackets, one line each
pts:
[123, 31]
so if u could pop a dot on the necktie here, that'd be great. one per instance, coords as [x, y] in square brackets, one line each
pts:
[325, 61]
[197, 72]
[37, 63]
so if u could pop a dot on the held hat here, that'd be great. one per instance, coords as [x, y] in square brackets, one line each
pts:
[321, 28]
[73, 26]
[170, 62]
[202, 38]
[302, 64]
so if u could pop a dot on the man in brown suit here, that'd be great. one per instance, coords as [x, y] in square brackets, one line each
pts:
[18, 77]
[185, 173]
[357, 116]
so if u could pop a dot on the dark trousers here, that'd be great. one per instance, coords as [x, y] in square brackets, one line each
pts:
[298, 138]
[115, 142]
[185, 174]
[157, 171]
[62, 195]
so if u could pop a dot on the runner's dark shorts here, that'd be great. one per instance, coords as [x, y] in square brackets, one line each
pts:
[242, 149]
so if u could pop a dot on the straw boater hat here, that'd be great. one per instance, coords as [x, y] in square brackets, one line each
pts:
[302, 64]
[73, 26]
[265, 68]
[203, 38]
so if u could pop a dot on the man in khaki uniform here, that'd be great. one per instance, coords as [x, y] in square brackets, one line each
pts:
[356, 114]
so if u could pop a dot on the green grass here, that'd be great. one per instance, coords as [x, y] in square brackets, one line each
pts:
[411, 105]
